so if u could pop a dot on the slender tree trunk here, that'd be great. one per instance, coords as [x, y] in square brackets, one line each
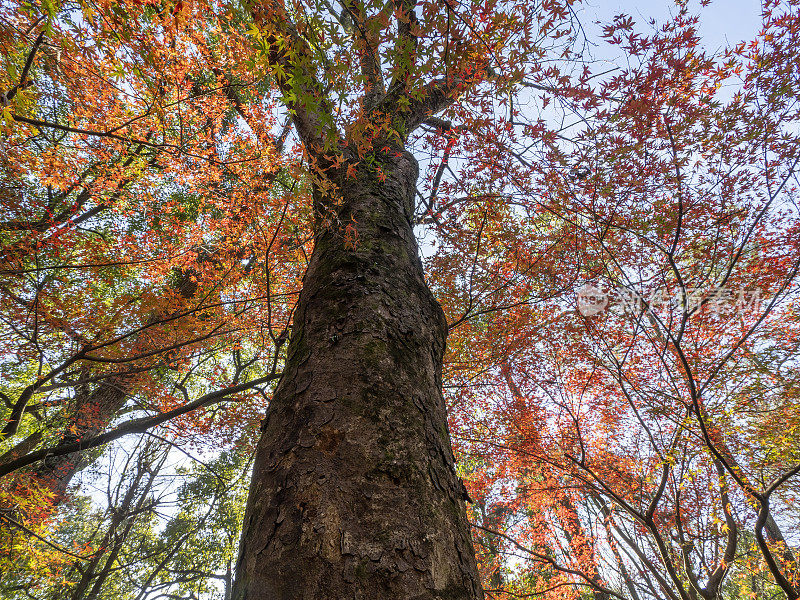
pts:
[574, 533]
[354, 492]
[94, 411]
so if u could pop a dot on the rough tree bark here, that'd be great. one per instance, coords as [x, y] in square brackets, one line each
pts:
[354, 491]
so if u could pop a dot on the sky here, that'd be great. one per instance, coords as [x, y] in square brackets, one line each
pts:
[722, 23]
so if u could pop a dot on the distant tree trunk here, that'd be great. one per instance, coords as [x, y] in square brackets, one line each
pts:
[354, 491]
[22, 448]
[93, 412]
[95, 408]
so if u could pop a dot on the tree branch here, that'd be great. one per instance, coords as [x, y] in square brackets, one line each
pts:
[289, 57]
[133, 426]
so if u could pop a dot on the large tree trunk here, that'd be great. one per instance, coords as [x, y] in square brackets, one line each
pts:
[354, 492]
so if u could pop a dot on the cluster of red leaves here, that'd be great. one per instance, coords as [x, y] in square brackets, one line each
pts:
[153, 232]
[619, 451]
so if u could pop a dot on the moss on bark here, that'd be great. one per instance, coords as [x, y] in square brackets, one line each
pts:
[354, 490]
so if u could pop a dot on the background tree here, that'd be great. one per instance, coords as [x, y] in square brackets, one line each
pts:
[130, 281]
[677, 197]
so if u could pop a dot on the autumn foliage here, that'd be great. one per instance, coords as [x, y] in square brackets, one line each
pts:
[157, 212]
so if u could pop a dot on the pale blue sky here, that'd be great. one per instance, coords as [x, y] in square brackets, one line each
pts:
[723, 22]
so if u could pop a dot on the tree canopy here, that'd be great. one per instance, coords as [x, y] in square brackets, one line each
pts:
[609, 224]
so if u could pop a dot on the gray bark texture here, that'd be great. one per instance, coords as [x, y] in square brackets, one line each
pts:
[354, 492]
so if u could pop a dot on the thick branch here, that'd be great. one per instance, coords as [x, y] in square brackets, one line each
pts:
[290, 58]
[369, 50]
[406, 44]
[133, 426]
[23, 80]
[435, 97]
